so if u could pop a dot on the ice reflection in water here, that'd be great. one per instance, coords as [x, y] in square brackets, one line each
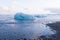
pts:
[24, 30]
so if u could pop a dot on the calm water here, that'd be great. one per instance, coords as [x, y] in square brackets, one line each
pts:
[23, 29]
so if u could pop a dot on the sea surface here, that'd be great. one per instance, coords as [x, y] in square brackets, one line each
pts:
[11, 29]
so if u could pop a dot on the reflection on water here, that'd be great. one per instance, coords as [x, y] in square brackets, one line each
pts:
[24, 30]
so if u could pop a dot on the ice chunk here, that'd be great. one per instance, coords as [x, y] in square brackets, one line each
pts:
[22, 16]
[40, 16]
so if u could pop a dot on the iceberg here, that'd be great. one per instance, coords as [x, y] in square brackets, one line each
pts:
[40, 16]
[22, 16]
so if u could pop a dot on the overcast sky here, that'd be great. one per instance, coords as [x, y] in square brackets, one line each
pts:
[29, 6]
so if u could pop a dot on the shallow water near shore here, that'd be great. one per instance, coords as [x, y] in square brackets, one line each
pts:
[24, 30]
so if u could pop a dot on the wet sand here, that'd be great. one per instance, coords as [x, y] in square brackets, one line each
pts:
[56, 26]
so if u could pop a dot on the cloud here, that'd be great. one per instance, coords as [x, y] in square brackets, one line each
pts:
[28, 6]
[36, 11]
[17, 7]
[5, 10]
[54, 10]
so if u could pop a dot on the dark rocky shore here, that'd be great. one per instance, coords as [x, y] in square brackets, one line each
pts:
[56, 26]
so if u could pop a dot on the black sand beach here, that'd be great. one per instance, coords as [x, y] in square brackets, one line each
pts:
[56, 26]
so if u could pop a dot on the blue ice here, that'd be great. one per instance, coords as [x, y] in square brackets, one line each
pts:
[22, 16]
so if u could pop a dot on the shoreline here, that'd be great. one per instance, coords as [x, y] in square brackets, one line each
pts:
[55, 26]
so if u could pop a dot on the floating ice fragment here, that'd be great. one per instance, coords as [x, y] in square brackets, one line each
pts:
[22, 16]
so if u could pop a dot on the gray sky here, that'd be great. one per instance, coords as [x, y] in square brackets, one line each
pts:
[28, 6]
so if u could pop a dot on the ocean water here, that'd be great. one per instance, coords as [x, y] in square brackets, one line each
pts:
[15, 30]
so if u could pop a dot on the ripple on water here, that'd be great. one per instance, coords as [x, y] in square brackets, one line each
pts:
[25, 30]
